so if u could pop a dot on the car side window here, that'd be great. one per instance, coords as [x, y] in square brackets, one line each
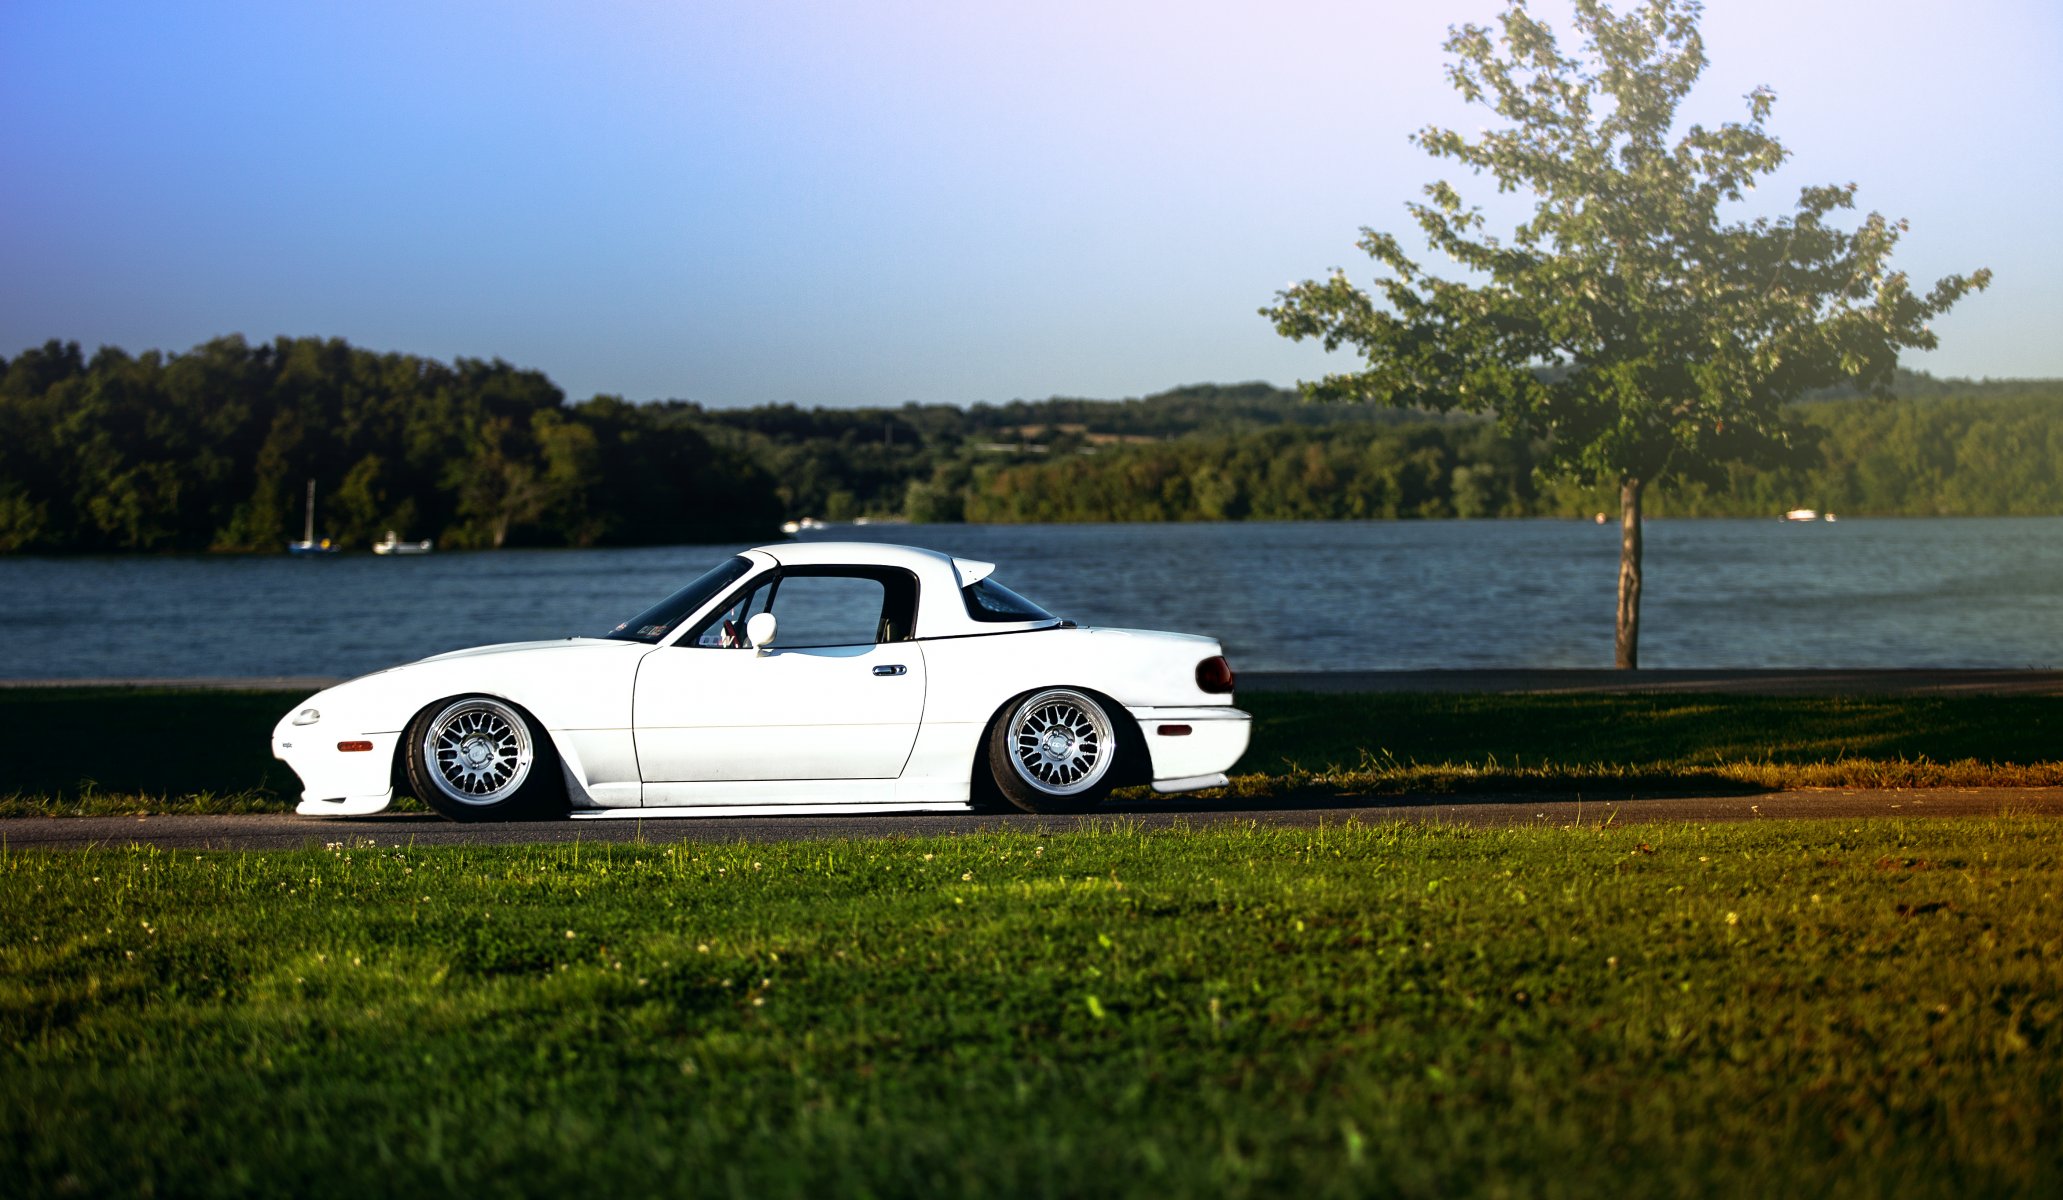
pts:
[726, 630]
[819, 606]
[828, 610]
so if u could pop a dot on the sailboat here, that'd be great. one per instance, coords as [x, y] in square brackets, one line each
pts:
[308, 544]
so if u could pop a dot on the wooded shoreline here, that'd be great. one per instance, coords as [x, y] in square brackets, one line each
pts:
[212, 450]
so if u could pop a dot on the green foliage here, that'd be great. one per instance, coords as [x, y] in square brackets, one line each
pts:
[1346, 472]
[1990, 450]
[1852, 1008]
[1672, 335]
[211, 450]
[925, 462]
[1676, 335]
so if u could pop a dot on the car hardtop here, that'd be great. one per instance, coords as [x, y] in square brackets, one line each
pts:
[943, 610]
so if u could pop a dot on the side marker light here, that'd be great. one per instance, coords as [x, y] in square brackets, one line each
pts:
[1174, 731]
[349, 747]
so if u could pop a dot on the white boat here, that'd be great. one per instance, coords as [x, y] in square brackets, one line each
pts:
[392, 544]
[1801, 514]
[308, 544]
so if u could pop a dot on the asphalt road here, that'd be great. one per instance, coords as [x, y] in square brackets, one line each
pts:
[286, 832]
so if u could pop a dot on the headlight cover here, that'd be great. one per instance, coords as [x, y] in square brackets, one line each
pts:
[307, 716]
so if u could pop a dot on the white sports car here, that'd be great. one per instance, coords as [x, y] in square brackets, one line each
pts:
[799, 678]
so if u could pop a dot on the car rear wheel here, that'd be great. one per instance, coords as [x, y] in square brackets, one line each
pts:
[476, 758]
[1055, 750]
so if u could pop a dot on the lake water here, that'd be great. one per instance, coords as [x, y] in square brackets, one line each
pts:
[1307, 596]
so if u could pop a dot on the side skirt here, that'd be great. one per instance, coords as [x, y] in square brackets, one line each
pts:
[763, 810]
[1194, 783]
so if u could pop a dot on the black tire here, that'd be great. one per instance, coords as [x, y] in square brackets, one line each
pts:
[1057, 750]
[478, 758]
[982, 793]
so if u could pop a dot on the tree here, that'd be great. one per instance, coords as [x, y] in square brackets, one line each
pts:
[1627, 322]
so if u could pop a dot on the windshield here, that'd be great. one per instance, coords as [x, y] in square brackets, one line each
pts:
[658, 621]
[988, 600]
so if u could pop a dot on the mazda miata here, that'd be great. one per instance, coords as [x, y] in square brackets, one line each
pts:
[797, 678]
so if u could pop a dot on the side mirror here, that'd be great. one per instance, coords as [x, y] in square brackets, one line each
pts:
[760, 631]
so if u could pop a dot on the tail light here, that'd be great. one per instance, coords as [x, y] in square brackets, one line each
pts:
[1214, 675]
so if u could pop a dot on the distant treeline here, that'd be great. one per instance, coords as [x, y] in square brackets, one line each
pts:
[1992, 451]
[212, 449]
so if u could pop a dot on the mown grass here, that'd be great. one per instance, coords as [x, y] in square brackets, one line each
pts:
[83, 751]
[1385, 744]
[65, 751]
[1806, 1008]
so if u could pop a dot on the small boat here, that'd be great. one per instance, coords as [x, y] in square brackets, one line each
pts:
[392, 544]
[1800, 514]
[308, 544]
[804, 523]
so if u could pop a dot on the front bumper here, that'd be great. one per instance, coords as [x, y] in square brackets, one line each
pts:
[348, 806]
[337, 783]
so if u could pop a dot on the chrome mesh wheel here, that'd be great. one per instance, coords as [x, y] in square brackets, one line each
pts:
[478, 750]
[1061, 742]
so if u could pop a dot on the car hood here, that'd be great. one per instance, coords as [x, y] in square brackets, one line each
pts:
[535, 674]
[527, 648]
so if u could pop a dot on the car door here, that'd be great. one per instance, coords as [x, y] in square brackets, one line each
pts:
[839, 694]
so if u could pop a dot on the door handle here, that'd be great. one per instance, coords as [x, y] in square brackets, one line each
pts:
[891, 669]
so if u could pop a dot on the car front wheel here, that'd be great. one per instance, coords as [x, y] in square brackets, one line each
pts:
[476, 758]
[1054, 751]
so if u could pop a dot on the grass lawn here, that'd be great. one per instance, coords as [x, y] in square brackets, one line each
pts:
[75, 750]
[1458, 742]
[1814, 1008]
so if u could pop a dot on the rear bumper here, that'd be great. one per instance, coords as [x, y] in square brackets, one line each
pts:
[1193, 747]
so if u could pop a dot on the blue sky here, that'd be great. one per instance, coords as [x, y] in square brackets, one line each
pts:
[876, 202]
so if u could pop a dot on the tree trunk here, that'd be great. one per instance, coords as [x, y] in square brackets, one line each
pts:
[1627, 646]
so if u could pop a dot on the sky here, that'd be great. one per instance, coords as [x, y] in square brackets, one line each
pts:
[879, 202]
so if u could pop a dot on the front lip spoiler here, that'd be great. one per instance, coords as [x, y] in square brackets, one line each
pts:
[347, 806]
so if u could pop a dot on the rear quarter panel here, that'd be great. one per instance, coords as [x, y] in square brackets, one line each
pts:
[973, 676]
[969, 679]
